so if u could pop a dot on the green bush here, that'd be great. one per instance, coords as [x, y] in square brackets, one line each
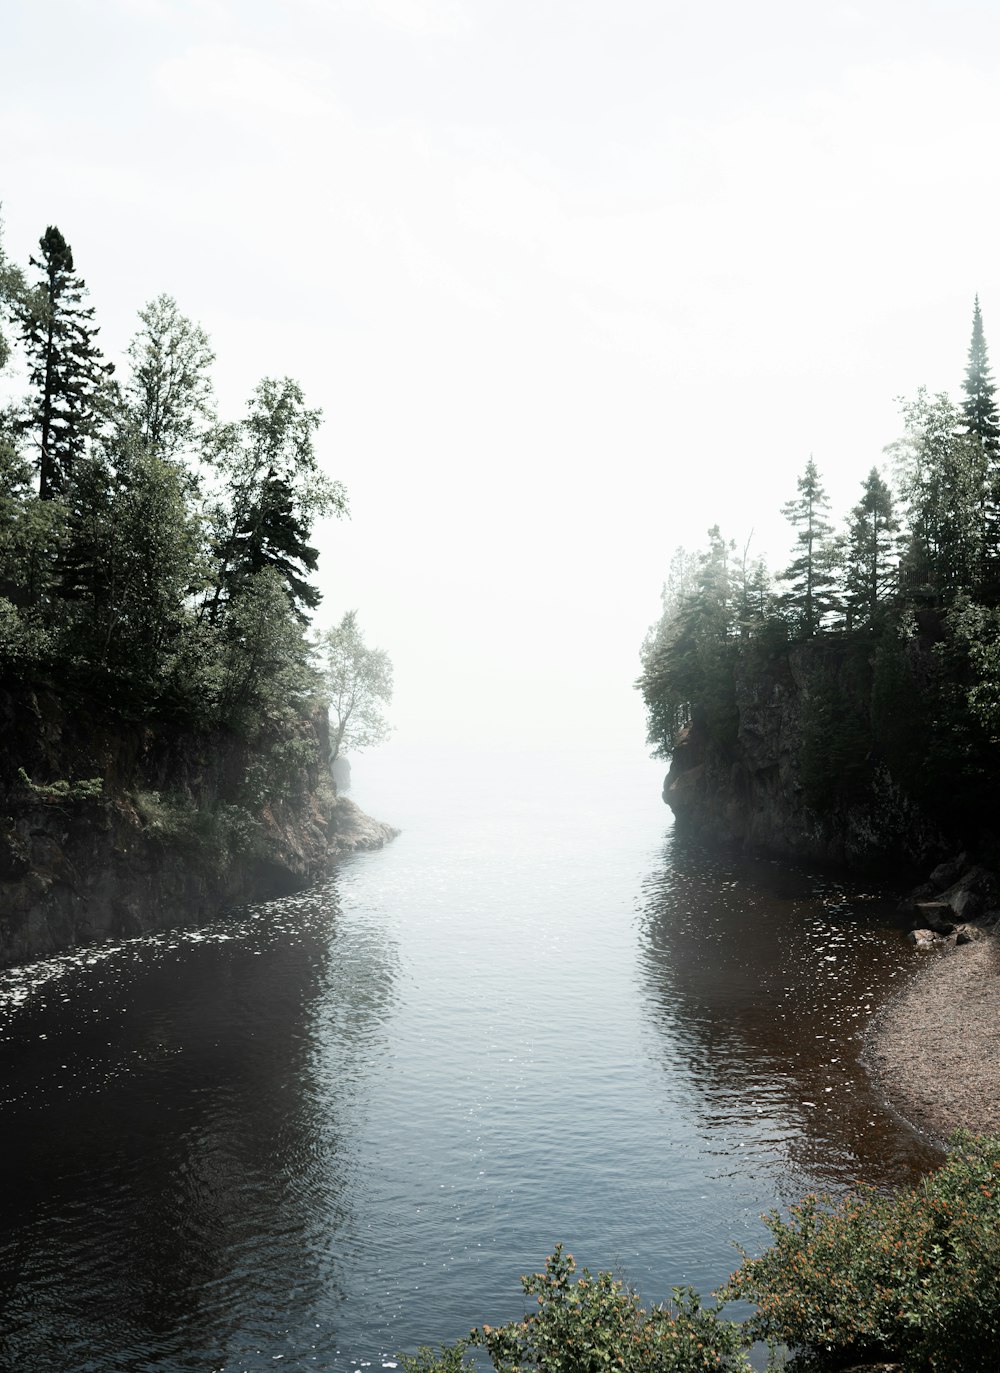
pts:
[596, 1325]
[214, 831]
[914, 1274]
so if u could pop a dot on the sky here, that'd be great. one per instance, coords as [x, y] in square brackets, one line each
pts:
[571, 282]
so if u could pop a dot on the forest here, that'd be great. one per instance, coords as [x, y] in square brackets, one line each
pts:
[902, 599]
[156, 563]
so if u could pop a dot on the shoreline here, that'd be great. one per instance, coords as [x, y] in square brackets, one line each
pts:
[933, 1051]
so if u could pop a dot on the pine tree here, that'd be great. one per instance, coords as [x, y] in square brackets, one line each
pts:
[812, 574]
[979, 409]
[870, 561]
[67, 371]
[275, 489]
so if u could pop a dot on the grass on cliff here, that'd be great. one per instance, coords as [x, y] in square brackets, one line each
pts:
[911, 1275]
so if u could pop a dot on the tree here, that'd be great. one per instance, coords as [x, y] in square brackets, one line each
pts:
[941, 478]
[870, 558]
[359, 684]
[169, 392]
[979, 409]
[274, 489]
[687, 657]
[11, 297]
[66, 368]
[130, 551]
[812, 573]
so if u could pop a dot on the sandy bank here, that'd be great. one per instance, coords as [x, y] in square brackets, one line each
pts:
[935, 1049]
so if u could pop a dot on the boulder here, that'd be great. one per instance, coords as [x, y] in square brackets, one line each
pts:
[947, 874]
[969, 934]
[934, 915]
[924, 939]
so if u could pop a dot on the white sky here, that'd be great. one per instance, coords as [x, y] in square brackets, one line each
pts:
[570, 280]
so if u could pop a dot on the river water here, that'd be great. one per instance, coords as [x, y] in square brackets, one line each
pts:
[332, 1127]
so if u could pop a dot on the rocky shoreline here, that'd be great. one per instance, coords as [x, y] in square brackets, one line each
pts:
[934, 1050]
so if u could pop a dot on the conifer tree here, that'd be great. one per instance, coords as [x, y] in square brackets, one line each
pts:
[66, 368]
[979, 409]
[812, 573]
[870, 560]
[275, 489]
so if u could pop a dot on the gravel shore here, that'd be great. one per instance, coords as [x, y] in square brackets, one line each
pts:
[935, 1049]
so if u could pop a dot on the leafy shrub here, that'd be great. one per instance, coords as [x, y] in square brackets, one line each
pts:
[596, 1325]
[214, 831]
[913, 1274]
[62, 790]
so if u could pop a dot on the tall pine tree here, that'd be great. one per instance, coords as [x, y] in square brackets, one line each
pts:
[870, 560]
[66, 368]
[979, 409]
[812, 572]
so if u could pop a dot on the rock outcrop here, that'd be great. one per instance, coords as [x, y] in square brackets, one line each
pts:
[109, 829]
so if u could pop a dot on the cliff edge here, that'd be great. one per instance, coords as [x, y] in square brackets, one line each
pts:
[757, 787]
[109, 828]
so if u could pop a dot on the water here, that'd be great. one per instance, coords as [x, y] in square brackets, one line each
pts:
[340, 1125]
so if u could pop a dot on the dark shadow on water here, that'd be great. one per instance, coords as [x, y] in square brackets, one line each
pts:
[768, 976]
[176, 1123]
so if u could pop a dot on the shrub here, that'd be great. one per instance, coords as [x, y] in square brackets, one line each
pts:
[596, 1325]
[913, 1274]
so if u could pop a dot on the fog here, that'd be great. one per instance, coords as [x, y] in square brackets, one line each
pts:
[571, 281]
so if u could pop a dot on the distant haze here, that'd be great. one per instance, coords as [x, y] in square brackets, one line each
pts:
[570, 280]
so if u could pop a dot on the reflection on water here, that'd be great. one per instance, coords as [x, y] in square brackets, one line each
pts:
[343, 1123]
[168, 1133]
[767, 978]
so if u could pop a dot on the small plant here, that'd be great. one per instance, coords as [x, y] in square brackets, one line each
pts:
[84, 789]
[913, 1275]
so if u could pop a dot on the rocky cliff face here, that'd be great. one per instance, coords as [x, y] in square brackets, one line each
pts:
[751, 791]
[163, 837]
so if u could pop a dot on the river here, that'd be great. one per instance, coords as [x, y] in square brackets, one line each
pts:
[335, 1126]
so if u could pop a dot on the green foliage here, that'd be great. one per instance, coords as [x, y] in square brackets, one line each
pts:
[212, 832]
[168, 395]
[596, 1325]
[273, 491]
[979, 408]
[358, 682]
[63, 790]
[689, 656]
[912, 1274]
[870, 554]
[811, 575]
[66, 371]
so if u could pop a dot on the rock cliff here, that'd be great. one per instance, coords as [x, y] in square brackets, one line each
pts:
[752, 789]
[111, 828]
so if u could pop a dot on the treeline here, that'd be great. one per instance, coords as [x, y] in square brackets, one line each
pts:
[900, 604]
[155, 558]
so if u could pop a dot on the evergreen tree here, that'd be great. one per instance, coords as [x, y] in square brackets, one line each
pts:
[941, 478]
[870, 561]
[274, 491]
[979, 409]
[812, 573]
[66, 369]
[169, 392]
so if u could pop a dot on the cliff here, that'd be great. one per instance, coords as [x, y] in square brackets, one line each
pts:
[758, 787]
[111, 828]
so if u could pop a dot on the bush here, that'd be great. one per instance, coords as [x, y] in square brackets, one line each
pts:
[913, 1274]
[596, 1325]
